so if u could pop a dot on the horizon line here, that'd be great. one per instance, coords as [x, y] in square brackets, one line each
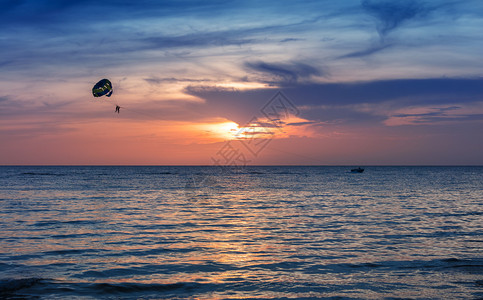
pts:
[231, 166]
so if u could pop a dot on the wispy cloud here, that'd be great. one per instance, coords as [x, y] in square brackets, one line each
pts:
[391, 14]
[196, 40]
[435, 112]
[366, 52]
[158, 80]
[290, 40]
[433, 115]
[284, 73]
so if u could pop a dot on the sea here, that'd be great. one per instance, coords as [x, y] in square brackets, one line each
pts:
[257, 232]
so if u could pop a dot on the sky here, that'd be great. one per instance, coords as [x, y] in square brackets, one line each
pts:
[347, 82]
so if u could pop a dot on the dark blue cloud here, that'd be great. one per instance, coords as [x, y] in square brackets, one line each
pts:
[438, 115]
[194, 40]
[337, 115]
[435, 118]
[438, 112]
[301, 123]
[285, 73]
[366, 52]
[290, 40]
[157, 80]
[31, 12]
[390, 14]
[401, 91]
[239, 106]
[338, 102]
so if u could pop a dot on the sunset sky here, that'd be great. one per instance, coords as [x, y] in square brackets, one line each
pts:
[351, 82]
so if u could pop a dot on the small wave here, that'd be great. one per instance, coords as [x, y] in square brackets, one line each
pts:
[365, 265]
[157, 251]
[161, 173]
[44, 223]
[136, 287]
[71, 236]
[13, 288]
[40, 174]
[71, 251]
[466, 265]
[60, 223]
[451, 260]
[155, 269]
[10, 286]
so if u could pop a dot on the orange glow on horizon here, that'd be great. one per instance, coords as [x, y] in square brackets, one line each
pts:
[258, 129]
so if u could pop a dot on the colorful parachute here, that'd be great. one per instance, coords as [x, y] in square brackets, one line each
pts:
[102, 88]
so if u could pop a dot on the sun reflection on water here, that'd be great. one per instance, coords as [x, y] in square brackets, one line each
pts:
[260, 232]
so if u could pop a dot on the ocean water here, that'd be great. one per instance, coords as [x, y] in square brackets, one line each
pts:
[254, 232]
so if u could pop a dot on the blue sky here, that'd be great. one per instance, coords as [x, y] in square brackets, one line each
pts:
[360, 72]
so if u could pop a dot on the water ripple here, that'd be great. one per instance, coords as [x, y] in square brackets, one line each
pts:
[263, 232]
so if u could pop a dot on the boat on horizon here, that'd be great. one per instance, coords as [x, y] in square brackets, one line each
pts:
[358, 170]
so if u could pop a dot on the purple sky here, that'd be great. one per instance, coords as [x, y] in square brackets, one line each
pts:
[371, 82]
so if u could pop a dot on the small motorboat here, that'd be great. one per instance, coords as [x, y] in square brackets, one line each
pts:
[358, 170]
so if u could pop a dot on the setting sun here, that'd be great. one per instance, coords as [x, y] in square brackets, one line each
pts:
[225, 130]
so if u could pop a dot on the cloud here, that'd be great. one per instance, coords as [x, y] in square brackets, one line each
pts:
[301, 123]
[437, 112]
[236, 35]
[433, 115]
[389, 15]
[221, 38]
[366, 52]
[399, 91]
[338, 103]
[290, 40]
[157, 80]
[284, 73]
[36, 41]
[392, 14]
[55, 11]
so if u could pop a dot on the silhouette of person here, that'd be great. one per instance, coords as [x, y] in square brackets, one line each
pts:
[117, 108]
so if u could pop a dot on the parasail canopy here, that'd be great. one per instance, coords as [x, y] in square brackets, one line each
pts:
[102, 88]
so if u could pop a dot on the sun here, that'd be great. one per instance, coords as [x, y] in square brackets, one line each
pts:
[228, 130]
[224, 130]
